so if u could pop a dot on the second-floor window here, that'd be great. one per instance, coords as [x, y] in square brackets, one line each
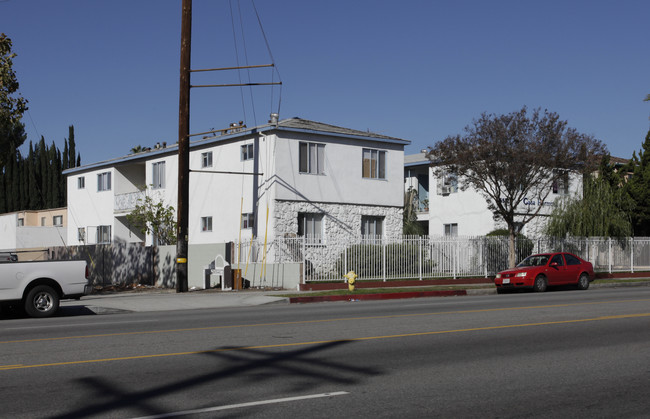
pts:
[81, 182]
[158, 175]
[247, 152]
[247, 220]
[206, 224]
[561, 183]
[206, 159]
[57, 220]
[374, 164]
[104, 181]
[312, 158]
[21, 222]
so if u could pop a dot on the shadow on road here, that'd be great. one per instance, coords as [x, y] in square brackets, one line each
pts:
[305, 368]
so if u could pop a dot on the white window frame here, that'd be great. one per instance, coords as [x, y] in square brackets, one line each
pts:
[81, 182]
[206, 224]
[311, 158]
[158, 175]
[81, 234]
[450, 230]
[248, 220]
[311, 226]
[372, 226]
[561, 183]
[373, 163]
[104, 181]
[21, 222]
[206, 159]
[57, 220]
[103, 234]
[247, 152]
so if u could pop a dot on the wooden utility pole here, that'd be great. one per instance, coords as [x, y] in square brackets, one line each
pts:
[184, 148]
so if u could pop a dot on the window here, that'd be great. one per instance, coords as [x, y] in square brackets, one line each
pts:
[561, 183]
[374, 164]
[312, 158]
[158, 175]
[571, 260]
[21, 222]
[247, 151]
[248, 220]
[42, 221]
[81, 234]
[81, 182]
[206, 223]
[557, 259]
[57, 220]
[372, 226]
[451, 230]
[103, 234]
[310, 226]
[104, 181]
[206, 159]
[448, 184]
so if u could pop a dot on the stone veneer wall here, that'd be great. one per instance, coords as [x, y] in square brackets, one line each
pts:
[340, 221]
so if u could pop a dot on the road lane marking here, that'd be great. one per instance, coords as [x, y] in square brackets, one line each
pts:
[249, 404]
[322, 342]
[390, 316]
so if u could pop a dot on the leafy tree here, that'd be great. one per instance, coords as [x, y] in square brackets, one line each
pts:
[410, 218]
[12, 106]
[509, 157]
[155, 218]
[603, 211]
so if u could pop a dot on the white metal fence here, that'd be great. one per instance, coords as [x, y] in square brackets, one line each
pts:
[421, 257]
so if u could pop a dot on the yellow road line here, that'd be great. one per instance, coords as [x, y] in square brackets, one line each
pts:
[391, 316]
[321, 342]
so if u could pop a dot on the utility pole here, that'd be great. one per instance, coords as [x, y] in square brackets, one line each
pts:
[184, 148]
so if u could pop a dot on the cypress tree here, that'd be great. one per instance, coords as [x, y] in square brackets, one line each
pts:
[65, 155]
[44, 172]
[72, 147]
[31, 181]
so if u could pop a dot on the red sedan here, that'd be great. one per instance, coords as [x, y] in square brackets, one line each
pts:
[537, 272]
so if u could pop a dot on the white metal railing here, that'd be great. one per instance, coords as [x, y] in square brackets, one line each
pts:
[423, 257]
[127, 201]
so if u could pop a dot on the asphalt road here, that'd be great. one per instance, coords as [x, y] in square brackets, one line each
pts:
[557, 354]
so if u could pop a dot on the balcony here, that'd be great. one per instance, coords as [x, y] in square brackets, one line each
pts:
[126, 202]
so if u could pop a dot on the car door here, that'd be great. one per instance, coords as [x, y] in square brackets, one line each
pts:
[556, 272]
[573, 268]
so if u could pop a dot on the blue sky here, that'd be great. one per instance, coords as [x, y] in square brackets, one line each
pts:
[417, 70]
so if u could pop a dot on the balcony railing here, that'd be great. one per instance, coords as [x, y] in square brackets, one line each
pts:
[127, 201]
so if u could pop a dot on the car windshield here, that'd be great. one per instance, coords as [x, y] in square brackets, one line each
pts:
[535, 260]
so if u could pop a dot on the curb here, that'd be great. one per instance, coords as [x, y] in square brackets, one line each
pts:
[385, 296]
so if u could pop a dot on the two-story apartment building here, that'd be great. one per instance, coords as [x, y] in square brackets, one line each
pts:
[294, 177]
[454, 212]
[33, 230]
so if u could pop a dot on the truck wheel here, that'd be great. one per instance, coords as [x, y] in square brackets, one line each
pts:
[41, 301]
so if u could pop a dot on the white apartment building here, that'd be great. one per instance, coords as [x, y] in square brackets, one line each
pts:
[291, 178]
[454, 212]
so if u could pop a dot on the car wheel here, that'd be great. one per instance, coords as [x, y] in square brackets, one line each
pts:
[583, 282]
[41, 301]
[540, 284]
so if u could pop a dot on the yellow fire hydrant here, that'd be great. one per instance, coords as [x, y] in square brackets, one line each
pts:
[351, 277]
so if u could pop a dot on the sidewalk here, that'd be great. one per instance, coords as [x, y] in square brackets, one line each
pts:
[165, 300]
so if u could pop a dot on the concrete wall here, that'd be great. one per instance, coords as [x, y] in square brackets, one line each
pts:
[8, 228]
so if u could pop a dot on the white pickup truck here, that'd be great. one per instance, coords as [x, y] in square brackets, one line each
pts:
[39, 286]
